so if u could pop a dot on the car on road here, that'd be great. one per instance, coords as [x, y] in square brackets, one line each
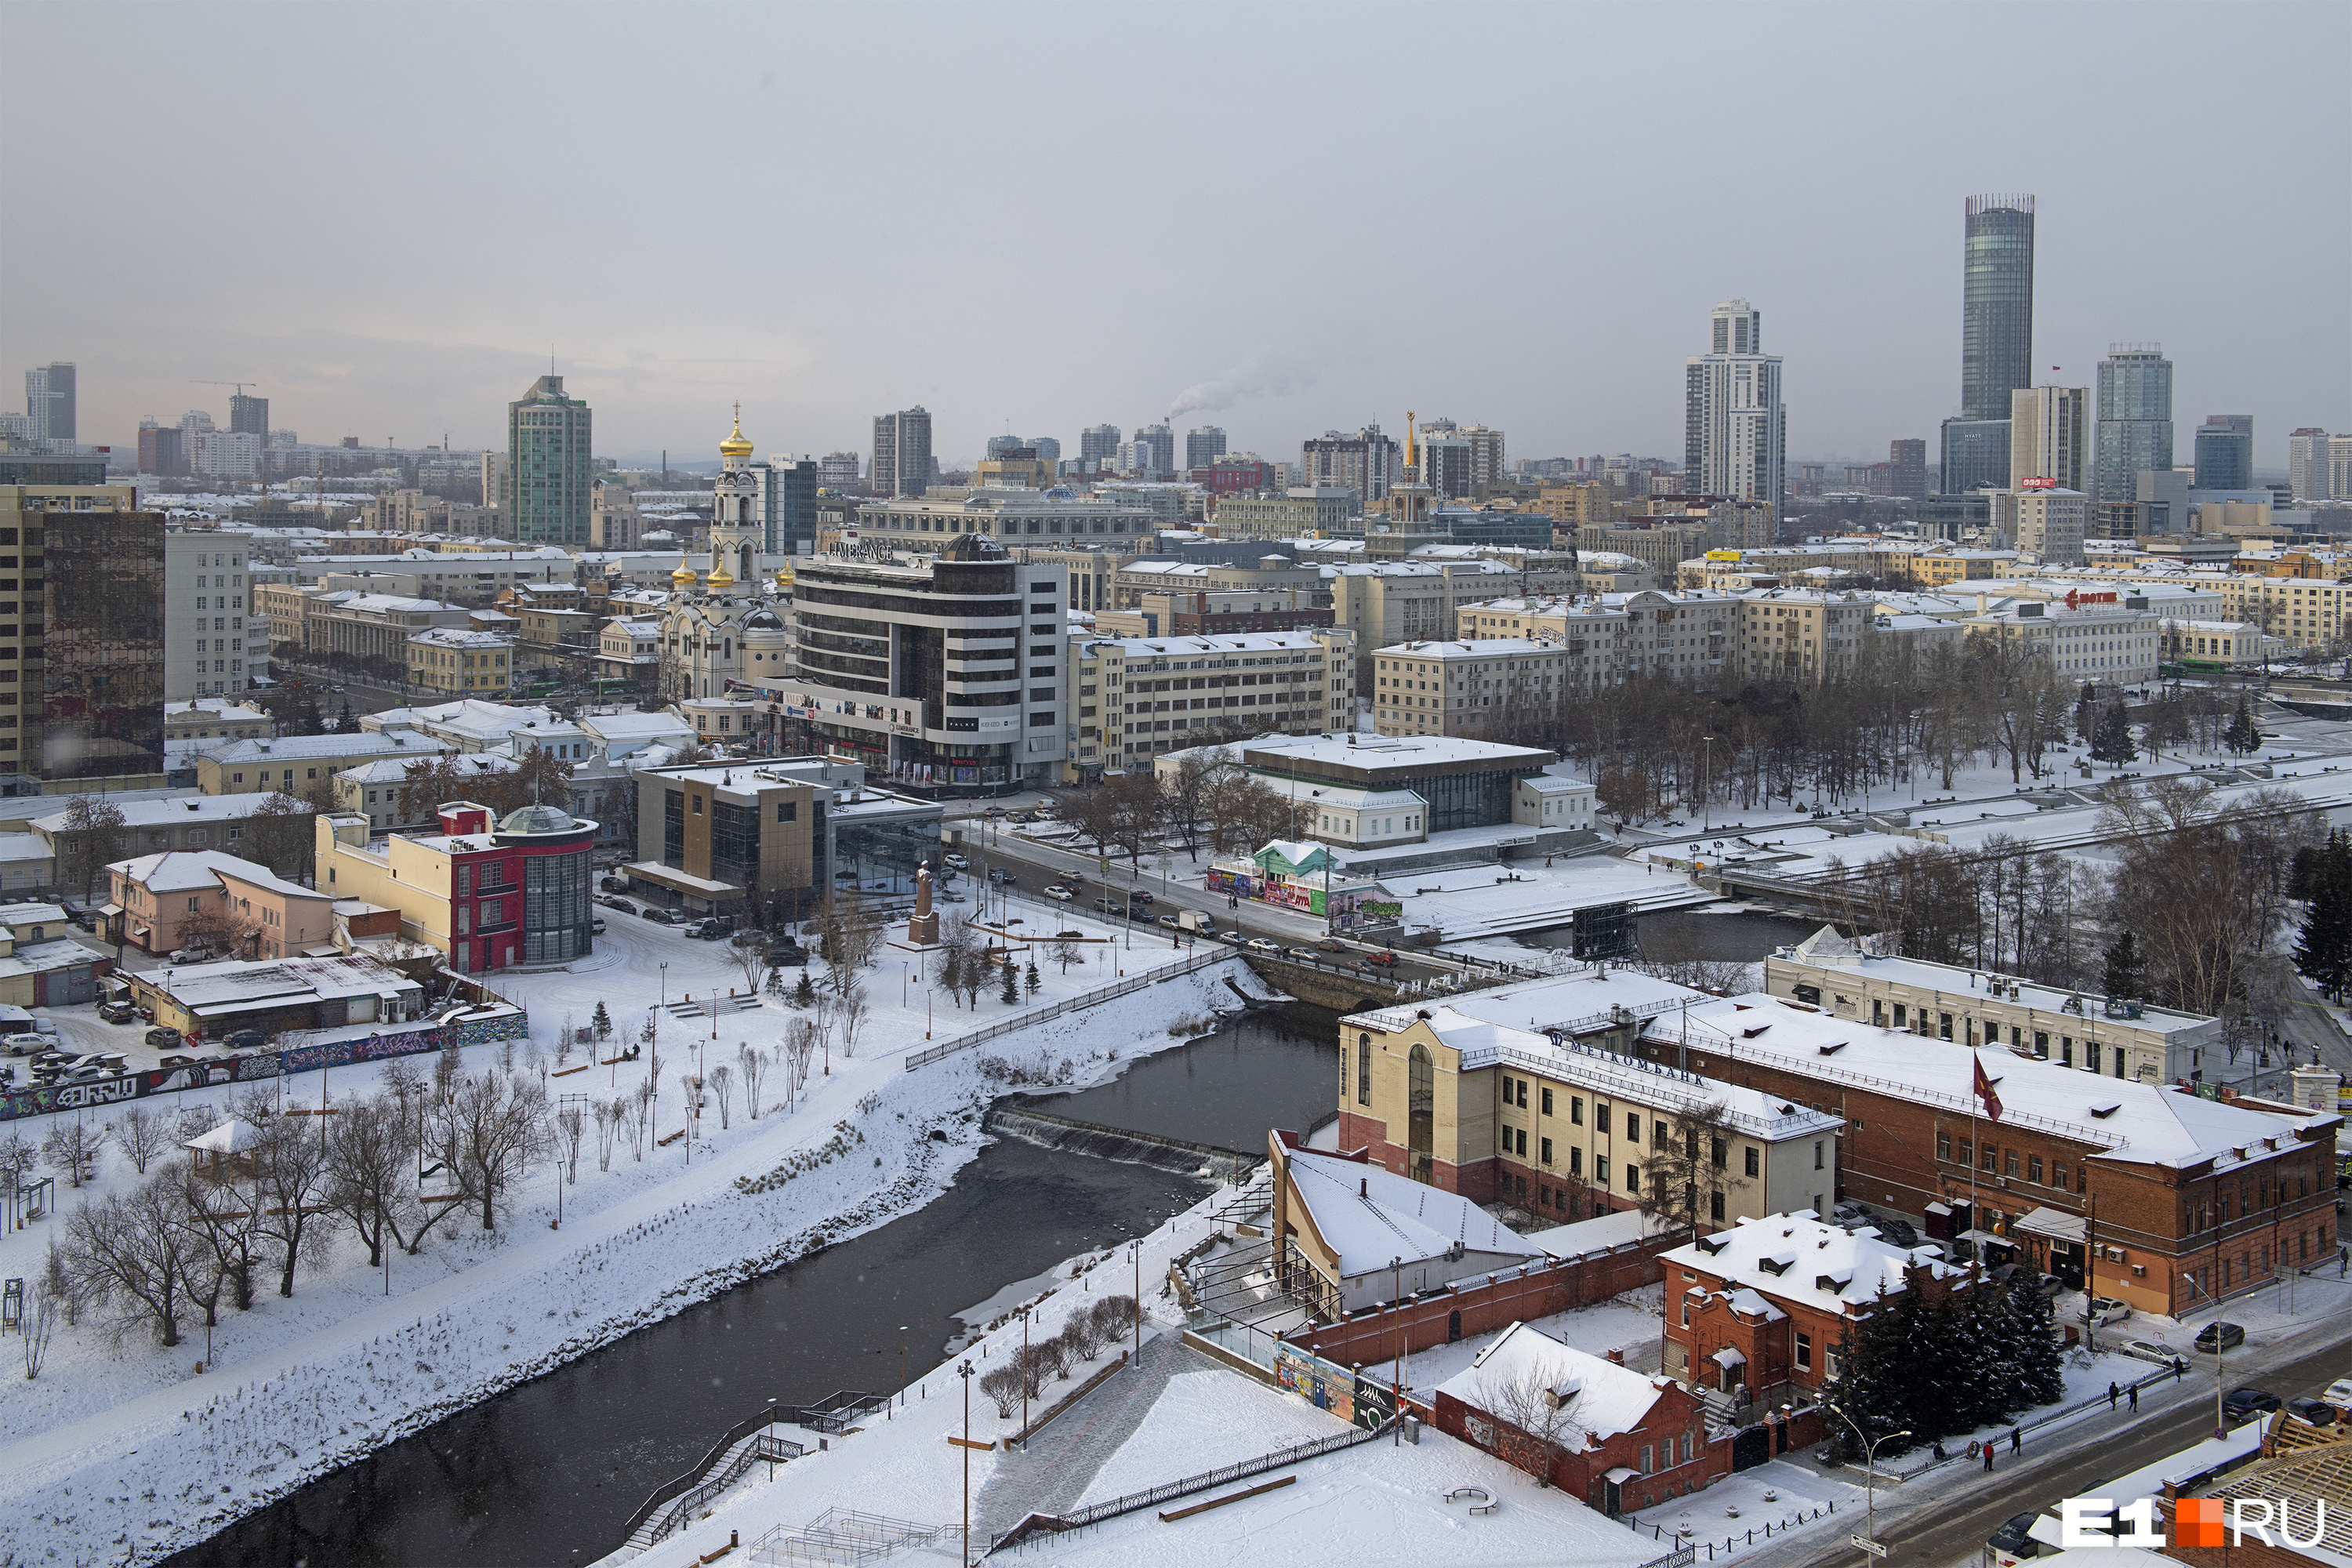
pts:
[1303, 954]
[1331, 945]
[1172, 923]
[612, 885]
[2226, 1336]
[1260, 945]
[955, 859]
[2338, 1394]
[2243, 1405]
[1000, 875]
[1138, 897]
[2100, 1310]
[2317, 1412]
[2012, 1539]
[117, 1012]
[163, 1038]
[1061, 893]
[597, 925]
[1381, 960]
[622, 905]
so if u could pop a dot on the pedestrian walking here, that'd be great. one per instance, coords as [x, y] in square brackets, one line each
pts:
[2343, 1261]
[2017, 1440]
[2112, 1392]
[1987, 1459]
[2135, 1396]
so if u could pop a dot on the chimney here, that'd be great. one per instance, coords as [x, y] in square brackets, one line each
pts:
[1616, 1358]
[1363, 1186]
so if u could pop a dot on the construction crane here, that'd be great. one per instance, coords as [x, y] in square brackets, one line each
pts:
[240, 386]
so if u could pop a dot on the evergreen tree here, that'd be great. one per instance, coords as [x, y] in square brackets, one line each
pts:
[347, 722]
[2244, 736]
[1011, 994]
[2112, 741]
[2122, 977]
[601, 1023]
[2037, 1367]
[1873, 1390]
[2323, 950]
[805, 993]
[1034, 981]
[2086, 715]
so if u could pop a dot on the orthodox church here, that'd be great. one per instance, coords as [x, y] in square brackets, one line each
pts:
[723, 624]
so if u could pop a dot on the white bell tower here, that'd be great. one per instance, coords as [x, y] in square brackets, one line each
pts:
[735, 532]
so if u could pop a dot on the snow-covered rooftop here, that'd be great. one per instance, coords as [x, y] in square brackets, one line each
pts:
[189, 870]
[1809, 1261]
[1371, 1218]
[1600, 1398]
[283, 748]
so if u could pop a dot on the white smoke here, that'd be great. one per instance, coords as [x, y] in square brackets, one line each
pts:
[1263, 373]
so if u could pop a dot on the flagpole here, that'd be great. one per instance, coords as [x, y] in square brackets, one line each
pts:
[1975, 1249]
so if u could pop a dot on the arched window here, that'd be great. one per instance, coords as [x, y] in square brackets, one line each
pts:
[1420, 1115]
[1363, 1069]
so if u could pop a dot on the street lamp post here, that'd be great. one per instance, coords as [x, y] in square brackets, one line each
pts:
[964, 1372]
[1707, 783]
[1870, 1475]
[2221, 1422]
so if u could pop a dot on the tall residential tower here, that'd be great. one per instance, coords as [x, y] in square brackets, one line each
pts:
[548, 449]
[1735, 426]
[902, 452]
[2134, 418]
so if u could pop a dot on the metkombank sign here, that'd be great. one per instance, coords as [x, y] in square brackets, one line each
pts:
[2090, 1522]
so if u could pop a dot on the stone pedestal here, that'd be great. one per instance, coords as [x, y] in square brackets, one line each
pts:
[923, 929]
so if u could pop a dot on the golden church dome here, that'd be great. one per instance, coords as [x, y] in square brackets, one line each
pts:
[737, 445]
[684, 575]
[723, 578]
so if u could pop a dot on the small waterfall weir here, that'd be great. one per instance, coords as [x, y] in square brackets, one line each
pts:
[1177, 1156]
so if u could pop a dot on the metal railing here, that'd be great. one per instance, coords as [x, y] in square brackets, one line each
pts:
[832, 1413]
[761, 1447]
[1023, 1020]
[844, 1537]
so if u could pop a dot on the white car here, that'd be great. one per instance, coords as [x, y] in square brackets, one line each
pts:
[1259, 944]
[954, 859]
[2339, 1394]
[1063, 894]
[2101, 1309]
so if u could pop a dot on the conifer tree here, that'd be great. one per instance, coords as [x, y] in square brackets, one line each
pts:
[2323, 950]
[1011, 994]
[2244, 736]
[601, 1023]
[2087, 716]
[805, 993]
[1034, 981]
[1874, 1385]
[2037, 1367]
[2124, 977]
[2112, 742]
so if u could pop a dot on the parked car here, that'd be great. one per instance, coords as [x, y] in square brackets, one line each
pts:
[597, 925]
[2245, 1404]
[1898, 1230]
[26, 1045]
[2317, 1412]
[163, 1038]
[622, 905]
[1061, 893]
[1271, 949]
[174, 1060]
[786, 955]
[2225, 1336]
[699, 930]
[192, 955]
[2012, 1539]
[2101, 1309]
[117, 1012]
[2339, 1394]
[662, 917]
[614, 885]
[243, 1040]
[2163, 1355]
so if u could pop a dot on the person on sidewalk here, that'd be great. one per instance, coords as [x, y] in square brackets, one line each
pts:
[2112, 1392]
[2017, 1440]
[2135, 1396]
[1987, 1459]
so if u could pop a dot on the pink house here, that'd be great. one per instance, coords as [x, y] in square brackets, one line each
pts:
[211, 899]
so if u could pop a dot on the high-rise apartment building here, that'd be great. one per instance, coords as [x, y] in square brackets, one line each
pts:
[1203, 444]
[82, 653]
[902, 452]
[249, 417]
[494, 482]
[840, 471]
[1456, 459]
[1049, 451]
[548, 483]
[1906, 463]
[1735, 426]
[2225, 452]
[50, 401]
[1366, 462]
[2134, 418]
[1995, 304]
[2339, 466]
[998, 446]
[207, 598]
[2306, 464]
[1157, 445]
[1097, 445]
[159, 451]
[2047, 426]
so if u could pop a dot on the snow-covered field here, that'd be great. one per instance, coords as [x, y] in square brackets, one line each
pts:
[126, 1451]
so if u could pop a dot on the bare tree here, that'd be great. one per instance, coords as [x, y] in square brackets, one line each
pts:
[749, 949]
[91, 841]
[851, 1015]
[609, 1114]
[371, 1179]
[1540, 1430]
[74, 1145]
[46, 1305]
[755, 1067]
[571, 1129]
[1687, 1177]
[142, 1135]
[847, 940]
[1066, 952]
[291, 1165]
[722, 1084]
[638, 1108]
[799, 1049]
[1001, 1387]
[493, 1127]
[126, 1258]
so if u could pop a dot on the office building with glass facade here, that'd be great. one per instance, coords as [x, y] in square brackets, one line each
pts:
[548, 463]
[1996, 305]
[1975, 455]
[2134, 419]
[2225, 452]
[82, 651]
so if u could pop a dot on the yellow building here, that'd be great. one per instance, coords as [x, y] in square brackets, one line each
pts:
[460, 663]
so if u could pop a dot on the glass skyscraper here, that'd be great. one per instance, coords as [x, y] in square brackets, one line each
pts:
[548, 451]
[1996, 305]
[2134, 418]
[2225, 452]
[101, 671]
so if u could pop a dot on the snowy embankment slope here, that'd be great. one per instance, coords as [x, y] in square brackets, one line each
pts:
[152, 1469]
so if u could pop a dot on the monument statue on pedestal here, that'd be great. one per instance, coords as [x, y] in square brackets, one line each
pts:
[923, 929]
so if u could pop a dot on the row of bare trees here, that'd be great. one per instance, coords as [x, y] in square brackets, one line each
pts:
[1204, 800]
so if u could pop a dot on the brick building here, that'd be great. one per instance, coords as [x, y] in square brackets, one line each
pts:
[1622, 1440]
[2149, 1194]
[1557, 1122]
[491, 895]
[1756, 1311]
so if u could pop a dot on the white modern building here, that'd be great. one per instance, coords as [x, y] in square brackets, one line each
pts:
[2049, 430]
[1735, 441]
[2046, 521]
[206, 603]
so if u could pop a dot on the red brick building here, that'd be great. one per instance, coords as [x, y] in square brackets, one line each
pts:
[1756, 1312]
[2145, 1193]
[1613, 1436]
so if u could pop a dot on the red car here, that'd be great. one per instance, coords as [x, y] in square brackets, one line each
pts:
[1383, 959]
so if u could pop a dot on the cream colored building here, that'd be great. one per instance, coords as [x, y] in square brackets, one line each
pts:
[2234, 643]
[2111, 643]
[1795, 633]
[2046, 524]
[1132, 697]
[455, 662]
[1477, 690]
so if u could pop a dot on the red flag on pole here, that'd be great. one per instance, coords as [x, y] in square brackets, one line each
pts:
[1984, 1090]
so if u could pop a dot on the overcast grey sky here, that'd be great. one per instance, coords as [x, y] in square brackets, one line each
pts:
[1043, 217]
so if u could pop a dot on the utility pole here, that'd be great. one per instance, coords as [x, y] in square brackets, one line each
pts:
[964, 1372]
